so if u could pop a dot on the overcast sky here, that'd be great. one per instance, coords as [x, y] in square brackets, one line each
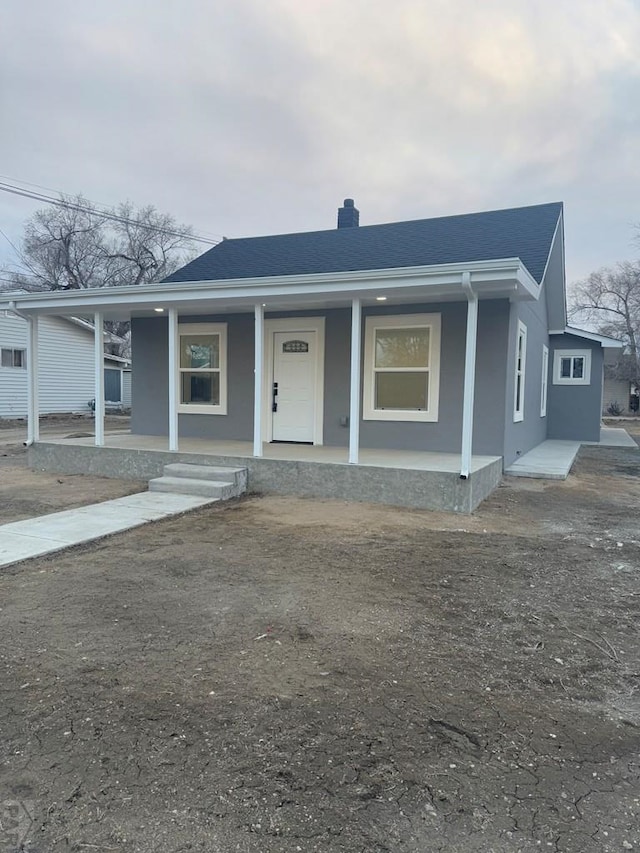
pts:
[248, 117]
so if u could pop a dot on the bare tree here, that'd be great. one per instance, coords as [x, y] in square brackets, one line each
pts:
[73, 245]
[610, 299]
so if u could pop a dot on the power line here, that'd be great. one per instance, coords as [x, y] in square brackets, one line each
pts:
[105, 214]
[10, 242]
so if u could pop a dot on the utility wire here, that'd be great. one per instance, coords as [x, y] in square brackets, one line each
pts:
[10, 242]
[105, 214]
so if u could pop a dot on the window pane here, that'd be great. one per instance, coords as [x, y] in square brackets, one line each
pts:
[402, 347]
[18, 358]
[7, 358]
[565, 368]
[198, 351]
[578, 367]
[407, 391]
[200, 388]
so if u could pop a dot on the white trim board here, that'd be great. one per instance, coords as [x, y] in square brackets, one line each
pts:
[499, 277]
[589, 336]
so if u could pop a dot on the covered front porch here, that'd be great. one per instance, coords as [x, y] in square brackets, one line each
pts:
[417, 479]
[417, 453]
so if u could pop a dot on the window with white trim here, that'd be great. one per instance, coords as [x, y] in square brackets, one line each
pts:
[544, 381]
[202, 368]
[401, 367]
[13, 357]
[521, 362]
[572, 367]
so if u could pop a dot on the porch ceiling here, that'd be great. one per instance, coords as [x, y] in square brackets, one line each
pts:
[505, 278]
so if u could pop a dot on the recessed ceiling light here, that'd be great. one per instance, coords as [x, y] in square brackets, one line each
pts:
[159, 310]
[381, 298]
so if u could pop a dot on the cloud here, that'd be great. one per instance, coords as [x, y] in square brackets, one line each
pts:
[247, 117]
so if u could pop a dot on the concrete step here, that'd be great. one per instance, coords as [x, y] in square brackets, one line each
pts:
[185, 486]
[208, 472]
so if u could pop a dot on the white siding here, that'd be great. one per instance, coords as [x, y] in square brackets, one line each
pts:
[616, 391]
[65, 367]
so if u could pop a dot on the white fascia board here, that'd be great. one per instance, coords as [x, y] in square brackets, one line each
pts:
[506, 271]
[589, 336]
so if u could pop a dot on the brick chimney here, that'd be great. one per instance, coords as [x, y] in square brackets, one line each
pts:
[349, 215]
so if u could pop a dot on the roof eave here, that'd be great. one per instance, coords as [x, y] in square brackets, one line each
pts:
[604, 340]
[487, 277]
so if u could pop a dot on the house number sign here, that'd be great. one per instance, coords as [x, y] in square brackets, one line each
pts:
[295, 346]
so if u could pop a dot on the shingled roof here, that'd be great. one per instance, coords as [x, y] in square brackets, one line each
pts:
[521, 232]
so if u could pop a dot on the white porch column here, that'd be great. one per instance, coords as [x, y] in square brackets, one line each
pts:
[469, 376]
[257, 380]
[172, 332]
[33, 402]
[98, 365]
[354, 401]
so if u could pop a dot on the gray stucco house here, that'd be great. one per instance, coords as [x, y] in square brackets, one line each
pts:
[446, 337]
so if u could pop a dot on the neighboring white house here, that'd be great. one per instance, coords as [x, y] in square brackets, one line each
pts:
[619, 396]
[66, 367]
[117, 380]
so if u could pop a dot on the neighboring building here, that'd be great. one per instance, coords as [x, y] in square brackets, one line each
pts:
[446, 335]
[65, 359]
[620, 395]
[117, 381]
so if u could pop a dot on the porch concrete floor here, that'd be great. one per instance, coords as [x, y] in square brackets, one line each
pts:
[420, 460]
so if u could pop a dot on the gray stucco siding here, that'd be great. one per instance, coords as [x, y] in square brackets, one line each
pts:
[574, 411]
[522, 436]
[150, 385]
[150, 349]
[445, 435]
[149, 376]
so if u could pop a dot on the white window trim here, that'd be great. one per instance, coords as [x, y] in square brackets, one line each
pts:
[559, 354]
[205, 329]
[518, 411]
[401, 321]
[544, 381]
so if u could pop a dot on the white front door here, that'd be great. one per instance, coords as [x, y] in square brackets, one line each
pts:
[293, 394]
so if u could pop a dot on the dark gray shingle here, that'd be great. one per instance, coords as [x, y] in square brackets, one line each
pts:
[522, 232]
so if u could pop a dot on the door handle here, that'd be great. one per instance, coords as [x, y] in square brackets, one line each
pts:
[274, 397]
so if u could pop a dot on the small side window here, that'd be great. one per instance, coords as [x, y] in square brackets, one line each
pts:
[13, 358]
[572, 367]
[543, 381]
[521, 361]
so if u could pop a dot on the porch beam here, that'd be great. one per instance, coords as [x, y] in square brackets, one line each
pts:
[98, 365]
[354, 394]
[257, 378]
[469, 376]
[33, 402]
[172, 332]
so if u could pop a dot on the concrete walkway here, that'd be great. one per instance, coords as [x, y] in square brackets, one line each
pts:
[613, 437]
[552, 460]
[34, 537]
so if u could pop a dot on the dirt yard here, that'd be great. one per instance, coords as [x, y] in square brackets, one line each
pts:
[25, 493]
[276, 675]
